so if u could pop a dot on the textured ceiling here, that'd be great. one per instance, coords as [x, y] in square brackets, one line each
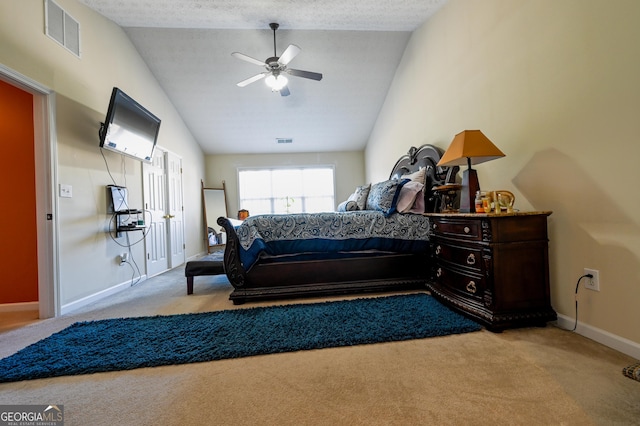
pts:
[356, 45]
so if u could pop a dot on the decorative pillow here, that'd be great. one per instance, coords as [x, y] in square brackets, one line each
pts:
[418, 176]
[383, 196]
[408, 195]
[360, 196]
[418, 205]
[347, 206]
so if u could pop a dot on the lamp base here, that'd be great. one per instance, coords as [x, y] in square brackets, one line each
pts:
[470, 186]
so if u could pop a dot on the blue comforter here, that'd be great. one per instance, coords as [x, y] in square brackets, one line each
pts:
[356, 231]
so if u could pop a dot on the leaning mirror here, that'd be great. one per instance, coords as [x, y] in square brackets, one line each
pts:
[214, 205]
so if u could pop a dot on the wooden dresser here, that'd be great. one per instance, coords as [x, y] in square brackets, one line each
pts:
[493, 268]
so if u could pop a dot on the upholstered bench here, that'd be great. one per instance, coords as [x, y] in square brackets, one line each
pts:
[211, 264]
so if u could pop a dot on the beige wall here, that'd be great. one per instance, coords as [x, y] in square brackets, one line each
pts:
[83, 86]
[554, 84]
[349, 170]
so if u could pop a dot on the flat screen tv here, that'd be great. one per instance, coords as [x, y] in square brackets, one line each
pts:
[129, 128]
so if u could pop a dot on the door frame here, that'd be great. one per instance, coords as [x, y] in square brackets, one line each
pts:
[46, 160]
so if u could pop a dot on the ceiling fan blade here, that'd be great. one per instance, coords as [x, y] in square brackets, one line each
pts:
[244, 57]
[305, 74]
[290, 53]
[285, 91]
[252, 79]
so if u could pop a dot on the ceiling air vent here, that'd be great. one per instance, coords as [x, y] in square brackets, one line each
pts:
[284, 140]
[61, 27]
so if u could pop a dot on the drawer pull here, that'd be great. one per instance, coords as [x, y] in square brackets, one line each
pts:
[467, 229]
[471, 287]
[438, 250]
[471, 259]
[439, 272]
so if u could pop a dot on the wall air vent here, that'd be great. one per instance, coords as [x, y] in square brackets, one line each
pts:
[61, 27]
[284, 140]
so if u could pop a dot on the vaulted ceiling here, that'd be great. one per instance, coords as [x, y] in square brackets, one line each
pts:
[356, 45]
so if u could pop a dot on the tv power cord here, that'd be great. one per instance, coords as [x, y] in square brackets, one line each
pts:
[131, 261]
[576, 297]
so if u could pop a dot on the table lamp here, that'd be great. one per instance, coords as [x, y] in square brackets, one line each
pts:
[470, 147]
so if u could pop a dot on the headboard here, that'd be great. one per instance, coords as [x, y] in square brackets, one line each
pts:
[427, 156]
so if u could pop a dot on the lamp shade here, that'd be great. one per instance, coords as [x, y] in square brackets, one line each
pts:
[470, 146]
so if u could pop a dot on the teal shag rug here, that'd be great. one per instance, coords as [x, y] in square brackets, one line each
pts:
[129, 343]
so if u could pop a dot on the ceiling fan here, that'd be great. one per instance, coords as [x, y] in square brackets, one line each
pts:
[275, 66]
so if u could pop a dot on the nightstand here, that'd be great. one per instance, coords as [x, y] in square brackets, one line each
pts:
[493, 268]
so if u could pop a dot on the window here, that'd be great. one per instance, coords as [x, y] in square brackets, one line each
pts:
[287, 190]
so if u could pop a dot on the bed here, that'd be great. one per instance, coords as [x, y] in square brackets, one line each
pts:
[376, 242]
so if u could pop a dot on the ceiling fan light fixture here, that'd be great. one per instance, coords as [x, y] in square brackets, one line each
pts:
[276, 82]
[275, 66]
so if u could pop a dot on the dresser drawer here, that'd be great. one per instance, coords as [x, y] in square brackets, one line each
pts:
[468, 257]
[468, 285]
[462, 229]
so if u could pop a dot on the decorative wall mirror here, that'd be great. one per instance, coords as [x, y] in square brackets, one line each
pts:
[214, 205]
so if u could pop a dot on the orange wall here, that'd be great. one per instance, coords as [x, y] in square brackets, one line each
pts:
[18, 245]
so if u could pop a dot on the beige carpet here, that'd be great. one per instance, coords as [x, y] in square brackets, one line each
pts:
[539, 376]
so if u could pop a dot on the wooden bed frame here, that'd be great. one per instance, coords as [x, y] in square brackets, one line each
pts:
[326, 276]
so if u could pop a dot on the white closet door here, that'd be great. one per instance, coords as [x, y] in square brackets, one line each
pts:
[175, 210]
[155, 202]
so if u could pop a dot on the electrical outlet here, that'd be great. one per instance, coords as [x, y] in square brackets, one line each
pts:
[123, 258]
[592, 283]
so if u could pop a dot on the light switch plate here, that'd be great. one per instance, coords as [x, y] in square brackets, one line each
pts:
[66, 191]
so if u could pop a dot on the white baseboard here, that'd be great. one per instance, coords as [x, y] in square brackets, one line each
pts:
[77, 304]
[18, 307]
[626, 346]
[196, 257]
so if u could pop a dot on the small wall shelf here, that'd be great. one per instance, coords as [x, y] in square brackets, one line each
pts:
[129, 220]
